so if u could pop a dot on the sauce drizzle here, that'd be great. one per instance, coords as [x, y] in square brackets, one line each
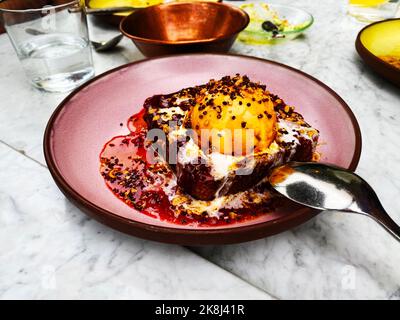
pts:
[146, 187]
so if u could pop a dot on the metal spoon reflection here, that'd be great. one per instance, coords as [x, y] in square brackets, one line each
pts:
[327, 187]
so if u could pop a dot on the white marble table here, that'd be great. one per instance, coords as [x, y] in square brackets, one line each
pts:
[49, 249]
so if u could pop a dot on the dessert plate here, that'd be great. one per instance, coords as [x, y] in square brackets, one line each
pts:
[98, 110]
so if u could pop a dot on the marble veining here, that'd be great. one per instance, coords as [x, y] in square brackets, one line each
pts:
[49, 249]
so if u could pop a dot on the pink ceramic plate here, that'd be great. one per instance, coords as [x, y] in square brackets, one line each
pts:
[91, 115]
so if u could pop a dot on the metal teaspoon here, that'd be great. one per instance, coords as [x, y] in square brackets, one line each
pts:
[327, 187]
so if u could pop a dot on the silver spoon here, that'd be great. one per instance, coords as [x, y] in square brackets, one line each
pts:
[107, 45]
[98, 46]
[327, 187]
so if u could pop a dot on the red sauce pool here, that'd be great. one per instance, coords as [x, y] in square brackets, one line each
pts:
[141, 185]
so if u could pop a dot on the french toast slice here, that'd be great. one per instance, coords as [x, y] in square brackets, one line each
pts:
[281, 135]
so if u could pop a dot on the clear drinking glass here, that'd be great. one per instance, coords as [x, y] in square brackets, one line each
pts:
[52, 43]
[373, 10]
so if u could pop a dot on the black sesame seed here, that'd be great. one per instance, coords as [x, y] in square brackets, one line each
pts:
[243, 124]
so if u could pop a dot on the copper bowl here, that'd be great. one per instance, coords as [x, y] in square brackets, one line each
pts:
[184, 27]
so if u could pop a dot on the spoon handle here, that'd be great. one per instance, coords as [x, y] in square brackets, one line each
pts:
[380, 215]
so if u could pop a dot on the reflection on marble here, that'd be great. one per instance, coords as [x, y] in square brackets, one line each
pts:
[48, 249]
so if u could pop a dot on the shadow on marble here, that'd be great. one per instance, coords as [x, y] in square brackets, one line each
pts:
[380, 82]
[333, 256]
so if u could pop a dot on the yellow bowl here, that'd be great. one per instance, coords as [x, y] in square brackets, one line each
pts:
[377, 40]
[100, 4]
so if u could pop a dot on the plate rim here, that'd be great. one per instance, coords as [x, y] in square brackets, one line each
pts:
[389, 72]
[180, 235]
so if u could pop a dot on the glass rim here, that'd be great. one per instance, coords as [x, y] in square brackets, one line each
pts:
[58, 6]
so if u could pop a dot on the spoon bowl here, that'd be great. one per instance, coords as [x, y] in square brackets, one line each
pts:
[327, 187]
[107, 45]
